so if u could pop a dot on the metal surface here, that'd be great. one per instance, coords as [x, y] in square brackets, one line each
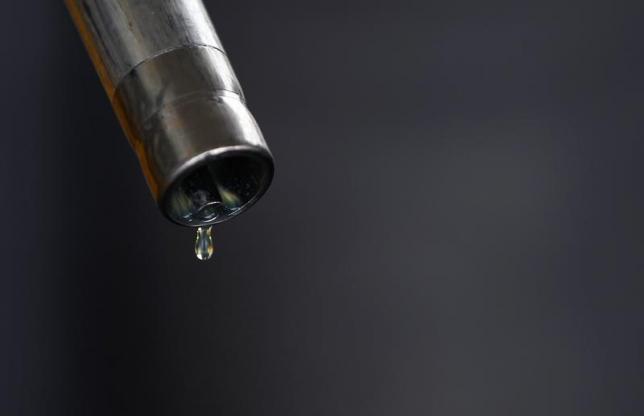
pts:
[180, 104]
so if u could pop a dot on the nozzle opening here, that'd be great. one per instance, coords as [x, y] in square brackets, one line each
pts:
[218, 188]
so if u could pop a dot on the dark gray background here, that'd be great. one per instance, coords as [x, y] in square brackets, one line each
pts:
[456, 225]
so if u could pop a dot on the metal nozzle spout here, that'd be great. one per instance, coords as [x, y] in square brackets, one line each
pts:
[179, 103]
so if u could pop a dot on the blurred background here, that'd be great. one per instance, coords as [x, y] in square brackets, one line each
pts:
[456, 225]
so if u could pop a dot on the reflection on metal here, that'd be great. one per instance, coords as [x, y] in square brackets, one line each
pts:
[180, 105]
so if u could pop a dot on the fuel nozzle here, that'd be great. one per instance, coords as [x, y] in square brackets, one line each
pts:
[180, 104]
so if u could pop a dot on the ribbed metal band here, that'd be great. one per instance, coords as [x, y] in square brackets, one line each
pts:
[180, 105]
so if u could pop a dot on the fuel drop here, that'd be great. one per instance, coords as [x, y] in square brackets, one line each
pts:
[203, 243]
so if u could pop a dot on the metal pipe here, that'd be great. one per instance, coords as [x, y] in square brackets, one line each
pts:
[180, 104]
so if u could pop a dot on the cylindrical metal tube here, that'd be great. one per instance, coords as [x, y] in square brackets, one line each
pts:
[180, 104]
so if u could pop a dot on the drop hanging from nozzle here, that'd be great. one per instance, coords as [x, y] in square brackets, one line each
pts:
[204, 246]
